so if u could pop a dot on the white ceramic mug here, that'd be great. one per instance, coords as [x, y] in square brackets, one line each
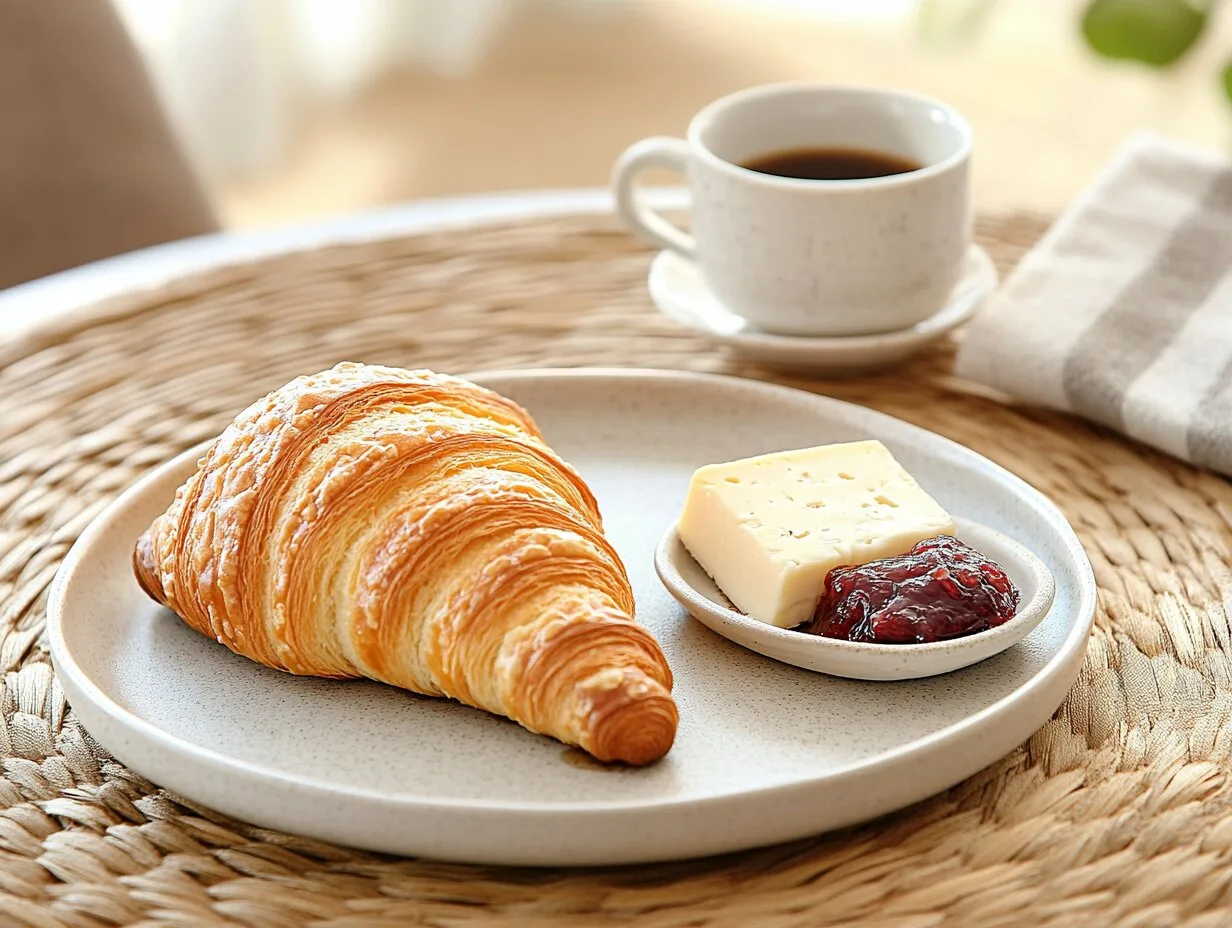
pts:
[816, 257]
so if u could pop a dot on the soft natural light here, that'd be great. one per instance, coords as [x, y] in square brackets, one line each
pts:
[853, 10]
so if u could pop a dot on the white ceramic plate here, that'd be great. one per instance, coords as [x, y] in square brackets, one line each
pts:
[692, 587]
[765, 752]
[679, 290]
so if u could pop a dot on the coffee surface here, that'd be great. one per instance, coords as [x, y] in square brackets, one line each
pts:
[831, 163]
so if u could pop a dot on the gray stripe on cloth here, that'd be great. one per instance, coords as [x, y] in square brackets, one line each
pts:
[1146, 315]
[1210, 431]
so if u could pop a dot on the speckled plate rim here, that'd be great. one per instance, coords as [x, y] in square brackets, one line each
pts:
[943, 656]
[1028, 706]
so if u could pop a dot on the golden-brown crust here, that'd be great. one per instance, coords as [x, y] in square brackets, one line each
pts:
[145, 567]
[414, 528]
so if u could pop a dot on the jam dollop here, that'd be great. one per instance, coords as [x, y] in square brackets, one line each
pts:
[939, 589]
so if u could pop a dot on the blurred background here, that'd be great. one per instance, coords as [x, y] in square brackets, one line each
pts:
[298, 109]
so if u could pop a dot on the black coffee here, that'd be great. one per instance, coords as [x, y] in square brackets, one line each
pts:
[831, 163]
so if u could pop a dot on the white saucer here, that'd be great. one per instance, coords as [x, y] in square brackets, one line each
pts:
[766, 752]
[692, 588]
[679, 290]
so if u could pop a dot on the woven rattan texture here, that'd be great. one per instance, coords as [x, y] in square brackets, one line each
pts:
[1115, 813]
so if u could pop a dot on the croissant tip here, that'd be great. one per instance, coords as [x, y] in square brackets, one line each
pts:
[145, 567]
[639, 732]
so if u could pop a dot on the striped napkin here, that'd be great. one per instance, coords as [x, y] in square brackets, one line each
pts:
[1123, 312]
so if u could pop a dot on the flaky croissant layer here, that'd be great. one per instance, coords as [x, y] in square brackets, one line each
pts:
[415, 529]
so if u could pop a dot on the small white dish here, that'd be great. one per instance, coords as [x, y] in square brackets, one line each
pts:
[692, 587]
[765, 752]
[678, 288]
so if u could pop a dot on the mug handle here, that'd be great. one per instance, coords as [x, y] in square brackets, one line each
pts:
[656, 152]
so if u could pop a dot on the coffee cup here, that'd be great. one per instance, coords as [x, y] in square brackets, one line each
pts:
[816, 256]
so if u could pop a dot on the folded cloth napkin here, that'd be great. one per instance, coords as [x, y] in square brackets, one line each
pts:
[1123, 312]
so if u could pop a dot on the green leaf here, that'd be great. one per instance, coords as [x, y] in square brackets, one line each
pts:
[1225, 78]
[1157, 32]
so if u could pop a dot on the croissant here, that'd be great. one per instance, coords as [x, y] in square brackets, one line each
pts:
[415, 529]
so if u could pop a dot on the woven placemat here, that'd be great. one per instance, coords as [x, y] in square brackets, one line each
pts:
[1115, 813]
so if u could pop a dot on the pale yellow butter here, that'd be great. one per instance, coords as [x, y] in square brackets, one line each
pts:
[768, 529]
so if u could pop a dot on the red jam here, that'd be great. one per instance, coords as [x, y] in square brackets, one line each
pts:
[939, 589]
